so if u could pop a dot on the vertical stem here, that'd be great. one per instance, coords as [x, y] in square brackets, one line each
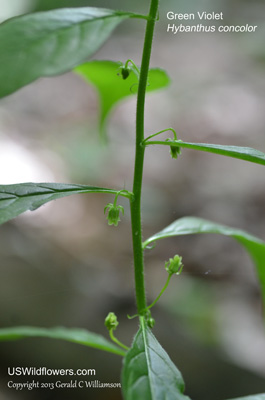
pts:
[139, 162]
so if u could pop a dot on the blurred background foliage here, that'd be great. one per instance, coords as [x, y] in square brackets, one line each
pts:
[63, 265]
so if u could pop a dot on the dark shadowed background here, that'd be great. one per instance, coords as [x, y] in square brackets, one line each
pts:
[63, 265]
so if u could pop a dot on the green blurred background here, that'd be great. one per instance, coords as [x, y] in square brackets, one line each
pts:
[63, 265]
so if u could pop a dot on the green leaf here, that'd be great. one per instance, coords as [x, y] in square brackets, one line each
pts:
[191, 225]
[254, 397]
[80, 336]
[148, 373]
[16, 199]
[106, 76]
[51, 42]
[243, 153]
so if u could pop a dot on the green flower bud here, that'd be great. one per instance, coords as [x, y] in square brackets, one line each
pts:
[174, 265]
[125, 72]
[174, 151]
[111, 321]
[149, 319]
[113, 216]
[151, 322]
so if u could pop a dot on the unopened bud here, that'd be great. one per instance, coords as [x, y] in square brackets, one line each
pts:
[174, 265]
[151, 322]
[111, 321]
[125, 72]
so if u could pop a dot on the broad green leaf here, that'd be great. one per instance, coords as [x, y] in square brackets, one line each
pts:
[80, 336]
[191, 225]
[51, 42]
[107, 78]
[16, 199]
[243, 153]
[148, 373]
[254, 397]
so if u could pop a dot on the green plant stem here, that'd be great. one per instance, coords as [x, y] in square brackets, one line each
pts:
[139, 162]
[115, 340]
[160, 294]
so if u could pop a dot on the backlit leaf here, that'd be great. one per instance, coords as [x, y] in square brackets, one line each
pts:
[80, 336]
[106, 76]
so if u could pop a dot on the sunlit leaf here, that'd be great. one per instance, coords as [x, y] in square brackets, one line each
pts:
[80, 336]
[191, 225]
[16, 199]
[107, 77]
[51, 42]
[148, 373]
[242, 153]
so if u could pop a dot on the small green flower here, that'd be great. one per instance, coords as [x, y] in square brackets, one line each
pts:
[113, 216]
[111, 321]
[174, 151]
[174, 265]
